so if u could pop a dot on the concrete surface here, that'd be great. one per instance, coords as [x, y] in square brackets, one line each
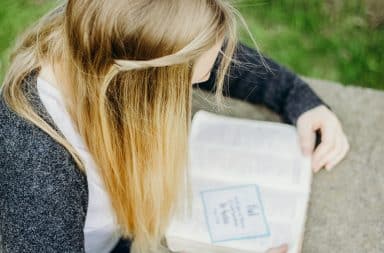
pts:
[346, 211]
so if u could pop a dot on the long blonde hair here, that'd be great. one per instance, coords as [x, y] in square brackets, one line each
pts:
[126, 69]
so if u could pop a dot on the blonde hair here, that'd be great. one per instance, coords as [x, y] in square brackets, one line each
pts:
[126, 69]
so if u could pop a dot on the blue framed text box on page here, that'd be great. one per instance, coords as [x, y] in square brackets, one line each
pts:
[234, 213]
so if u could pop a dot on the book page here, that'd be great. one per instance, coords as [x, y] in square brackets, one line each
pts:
[250, 184]
[267, 152]
[266, 168]
[241, 216]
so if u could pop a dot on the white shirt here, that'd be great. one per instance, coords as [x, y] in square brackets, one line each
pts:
[100, 230]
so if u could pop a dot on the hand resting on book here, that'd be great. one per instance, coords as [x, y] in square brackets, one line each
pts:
[334, 144]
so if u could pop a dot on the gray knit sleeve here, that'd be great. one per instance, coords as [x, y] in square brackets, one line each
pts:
[279, 89]
[43, 195]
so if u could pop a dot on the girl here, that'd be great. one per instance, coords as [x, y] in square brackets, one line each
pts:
[95, 114]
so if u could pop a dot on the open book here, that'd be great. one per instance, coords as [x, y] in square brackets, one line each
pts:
[250, 187]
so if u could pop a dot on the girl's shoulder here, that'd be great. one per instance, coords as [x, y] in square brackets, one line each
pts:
[22, 143]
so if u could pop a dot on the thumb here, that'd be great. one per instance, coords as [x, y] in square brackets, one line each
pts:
[281, 249]
[307, 137]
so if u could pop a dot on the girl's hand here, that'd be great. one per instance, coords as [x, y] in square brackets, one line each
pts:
[281, 249]
[334, 144]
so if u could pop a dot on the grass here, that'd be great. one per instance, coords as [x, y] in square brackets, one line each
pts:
[15, 17]
[330, 39]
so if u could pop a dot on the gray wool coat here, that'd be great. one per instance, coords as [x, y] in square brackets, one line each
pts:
[43, 195]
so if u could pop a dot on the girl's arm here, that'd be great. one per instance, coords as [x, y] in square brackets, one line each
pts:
[288, 95]
[280, 90]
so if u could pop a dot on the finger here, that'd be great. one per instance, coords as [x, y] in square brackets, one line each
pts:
[334, 153]
[343, 151]
[281, 249]
[327, 144]
[329, 151]
[338, 147]
[307, 137]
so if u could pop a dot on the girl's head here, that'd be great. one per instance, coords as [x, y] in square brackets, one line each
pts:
[102, 36]
[125, 69]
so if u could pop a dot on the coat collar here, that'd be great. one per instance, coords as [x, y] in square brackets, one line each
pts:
[29, 87]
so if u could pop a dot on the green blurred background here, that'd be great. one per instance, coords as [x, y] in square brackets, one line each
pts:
[339, 40]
